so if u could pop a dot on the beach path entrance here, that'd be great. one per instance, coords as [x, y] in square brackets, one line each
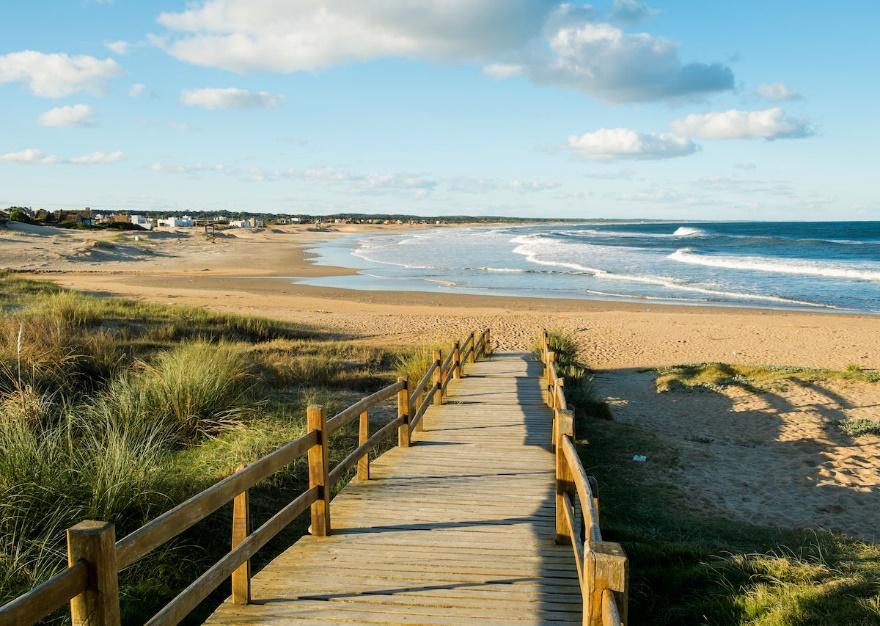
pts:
[456, 529]
[483, 513]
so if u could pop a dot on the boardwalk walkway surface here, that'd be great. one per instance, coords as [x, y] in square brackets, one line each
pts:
[457, 529]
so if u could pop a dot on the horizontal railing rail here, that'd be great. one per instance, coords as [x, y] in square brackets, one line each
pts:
[602, 566]
[90, 582]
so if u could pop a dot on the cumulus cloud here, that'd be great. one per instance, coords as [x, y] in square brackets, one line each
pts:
[137, 90]
[610, 64]
[631, 11]
[60, 117]
[118, 47]
[230, 98]
[29, 155]
[735, 124]
[777, 92]
[98, 158]
[57, 75]
[549, 40]
[608, 144]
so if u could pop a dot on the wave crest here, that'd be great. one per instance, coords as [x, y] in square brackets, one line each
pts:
[775, 266]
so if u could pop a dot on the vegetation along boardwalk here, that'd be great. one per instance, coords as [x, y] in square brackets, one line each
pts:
[471, 519]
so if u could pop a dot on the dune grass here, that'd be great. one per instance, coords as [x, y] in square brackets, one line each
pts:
[117, 410]
[716, 377]
[579, 392]
[690, 566]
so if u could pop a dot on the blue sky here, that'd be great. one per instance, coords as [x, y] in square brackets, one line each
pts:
[619, 108]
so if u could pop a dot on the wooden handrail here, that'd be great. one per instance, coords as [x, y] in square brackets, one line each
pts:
[173, 612]
[351, 460]
[77, 580]
[147, 538]
[46, 597]
[602, 566]
[348, 415]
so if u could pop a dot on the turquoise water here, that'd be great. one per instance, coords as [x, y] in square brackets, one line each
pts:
[831, 266]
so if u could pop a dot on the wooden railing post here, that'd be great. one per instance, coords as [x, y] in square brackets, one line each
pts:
[605, 568]
[564, 427]
[488, 347]
[403, 412]
[318, 470]
[551, 361]
[473, 353]
[438, 381]
[241, 528]
[363, 466]
[456, 360]
[594, 487]
[95, 543]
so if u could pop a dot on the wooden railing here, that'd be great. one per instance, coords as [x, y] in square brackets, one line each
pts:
[95, 558]
[602, 565]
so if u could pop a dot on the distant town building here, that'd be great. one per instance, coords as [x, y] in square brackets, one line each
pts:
[184, 221]
[140, 220]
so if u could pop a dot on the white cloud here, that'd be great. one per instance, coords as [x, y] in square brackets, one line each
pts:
[505, 36]
[607, 144]
[609, 64]
[98, 158]
[57, 75]
[777, 92]
[503, 70]
[74, 115]
[29, 155]
[118, 47]
[137, 90]
[289, 36]
[230, 98]
[631, 11]
[735, 124]
[35, 156]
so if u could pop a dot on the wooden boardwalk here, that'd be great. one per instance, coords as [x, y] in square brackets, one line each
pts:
[457, 529]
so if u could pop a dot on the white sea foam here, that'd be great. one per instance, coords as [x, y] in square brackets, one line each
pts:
[775, 266]
[530, 245]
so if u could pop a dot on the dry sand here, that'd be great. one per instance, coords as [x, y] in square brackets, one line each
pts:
[771, 458]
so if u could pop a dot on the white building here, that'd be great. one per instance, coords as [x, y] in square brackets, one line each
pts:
[176, 222]
[143, 222]
[249, 222]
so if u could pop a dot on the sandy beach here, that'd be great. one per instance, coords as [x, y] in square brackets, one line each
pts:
[822, 477]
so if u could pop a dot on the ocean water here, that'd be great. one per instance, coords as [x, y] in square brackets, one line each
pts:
[830, 266]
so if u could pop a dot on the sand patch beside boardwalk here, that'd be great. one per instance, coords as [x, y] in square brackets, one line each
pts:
[775, 458]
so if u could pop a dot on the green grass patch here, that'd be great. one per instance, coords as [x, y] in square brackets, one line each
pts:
[117, 410]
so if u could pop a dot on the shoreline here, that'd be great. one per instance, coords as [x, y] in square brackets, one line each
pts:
[254, 273]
